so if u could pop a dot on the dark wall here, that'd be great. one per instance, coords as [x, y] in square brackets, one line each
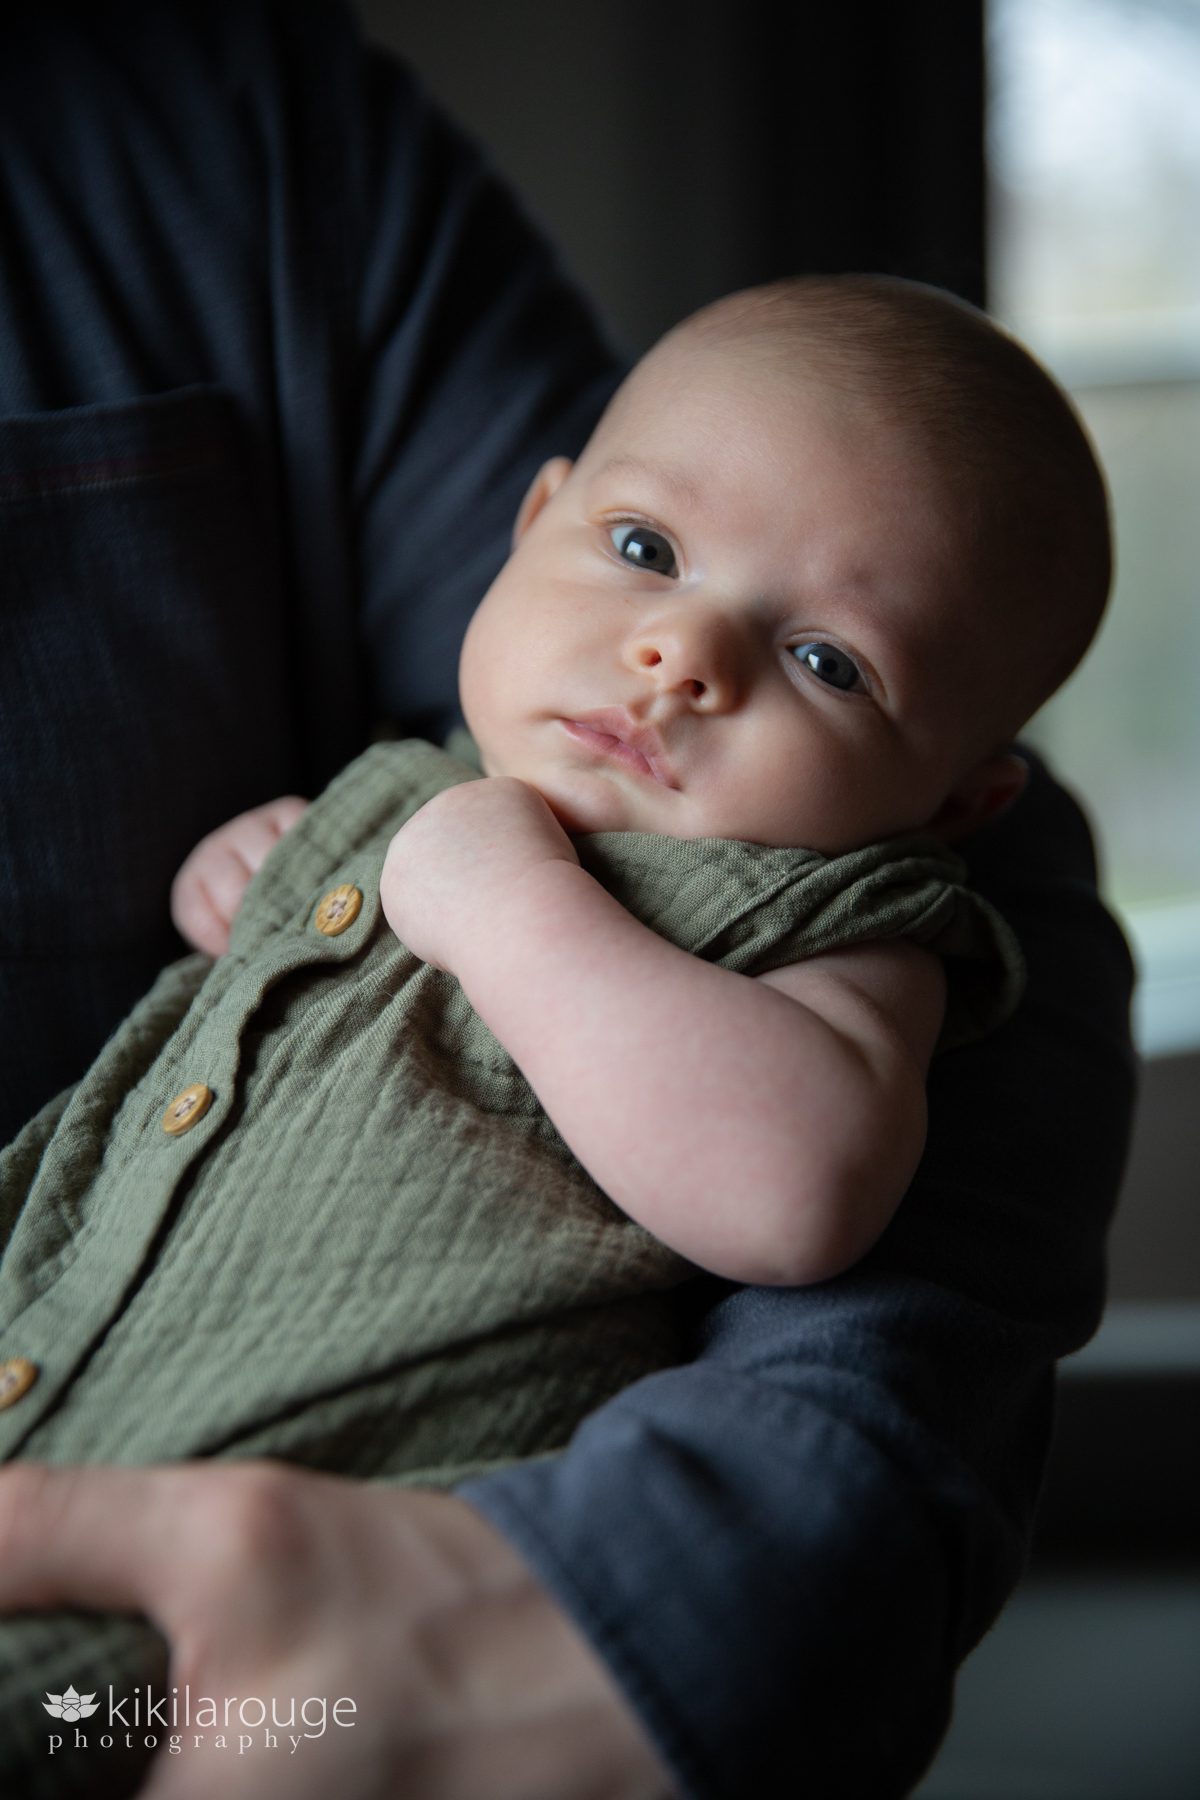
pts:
[679, 151]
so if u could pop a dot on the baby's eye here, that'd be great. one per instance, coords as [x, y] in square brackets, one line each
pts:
[647, 549]
[831, 665]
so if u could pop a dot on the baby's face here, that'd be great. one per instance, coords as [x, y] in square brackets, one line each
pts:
[741, 614]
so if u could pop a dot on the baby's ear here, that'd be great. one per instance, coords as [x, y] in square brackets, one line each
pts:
[543, 487]
[983, 794]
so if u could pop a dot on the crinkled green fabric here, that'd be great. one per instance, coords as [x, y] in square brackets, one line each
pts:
[373, 1254]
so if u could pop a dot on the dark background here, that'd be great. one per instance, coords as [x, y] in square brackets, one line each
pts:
[679, 151]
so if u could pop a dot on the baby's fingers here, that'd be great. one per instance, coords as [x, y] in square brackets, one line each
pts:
[205, 896]
[254, 834]
[208, 889]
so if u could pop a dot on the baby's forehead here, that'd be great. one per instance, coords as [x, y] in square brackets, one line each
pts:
[692, 380]
[696, 352]
[728, 415]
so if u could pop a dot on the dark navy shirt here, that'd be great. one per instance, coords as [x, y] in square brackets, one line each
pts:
[278, 357]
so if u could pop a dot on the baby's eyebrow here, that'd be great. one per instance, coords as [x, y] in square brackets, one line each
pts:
[678, 483]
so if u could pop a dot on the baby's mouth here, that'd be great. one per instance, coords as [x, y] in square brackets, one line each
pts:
[611, 734]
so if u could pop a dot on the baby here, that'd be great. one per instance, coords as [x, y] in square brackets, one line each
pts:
[423, 1167]
[832, 543]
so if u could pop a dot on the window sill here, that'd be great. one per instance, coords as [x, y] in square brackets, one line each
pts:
[1166, 1005]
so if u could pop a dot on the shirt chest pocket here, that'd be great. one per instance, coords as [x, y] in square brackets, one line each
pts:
[142, 695]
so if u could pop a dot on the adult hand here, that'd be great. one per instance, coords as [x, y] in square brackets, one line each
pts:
[468, 1682]
[462, 858]
[206, 893]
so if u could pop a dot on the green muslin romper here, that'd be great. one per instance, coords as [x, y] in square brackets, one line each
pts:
[372, 1253]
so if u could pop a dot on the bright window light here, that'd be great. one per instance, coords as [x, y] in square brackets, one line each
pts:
[1094, 157]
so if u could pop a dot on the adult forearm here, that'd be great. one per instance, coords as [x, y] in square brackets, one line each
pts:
[682, 1086]
[462, 1678]
[531, 1712]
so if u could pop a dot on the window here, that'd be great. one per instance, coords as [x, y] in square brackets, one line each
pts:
[1094, 153]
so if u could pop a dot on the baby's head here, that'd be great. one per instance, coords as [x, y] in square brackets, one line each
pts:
[832, 543]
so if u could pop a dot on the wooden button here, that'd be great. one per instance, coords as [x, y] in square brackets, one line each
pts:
[17, 1376]
[186, 1108]
[340, 907]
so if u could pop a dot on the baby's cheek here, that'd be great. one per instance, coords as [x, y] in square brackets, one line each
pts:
[820, 802]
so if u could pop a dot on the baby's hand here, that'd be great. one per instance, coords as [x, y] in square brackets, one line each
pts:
[208, 889]
[453, 866]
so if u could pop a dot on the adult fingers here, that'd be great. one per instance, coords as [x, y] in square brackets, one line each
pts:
[92, 1537]
[198, 1548]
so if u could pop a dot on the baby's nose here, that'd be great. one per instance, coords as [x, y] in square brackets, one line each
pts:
[697, 657]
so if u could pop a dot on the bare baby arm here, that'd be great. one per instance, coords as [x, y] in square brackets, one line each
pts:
[765, 1128]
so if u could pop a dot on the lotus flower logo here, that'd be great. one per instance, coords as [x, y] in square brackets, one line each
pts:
[69, 1705]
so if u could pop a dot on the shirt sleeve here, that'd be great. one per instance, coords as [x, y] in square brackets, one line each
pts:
[784, 1550]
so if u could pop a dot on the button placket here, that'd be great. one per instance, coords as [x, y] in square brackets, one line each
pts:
[339, 907]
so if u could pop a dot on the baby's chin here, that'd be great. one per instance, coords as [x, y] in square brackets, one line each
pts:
[579, 810]
[586, 800]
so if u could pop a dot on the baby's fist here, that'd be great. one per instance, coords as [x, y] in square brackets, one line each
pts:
[455, 866]
[208, 889]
